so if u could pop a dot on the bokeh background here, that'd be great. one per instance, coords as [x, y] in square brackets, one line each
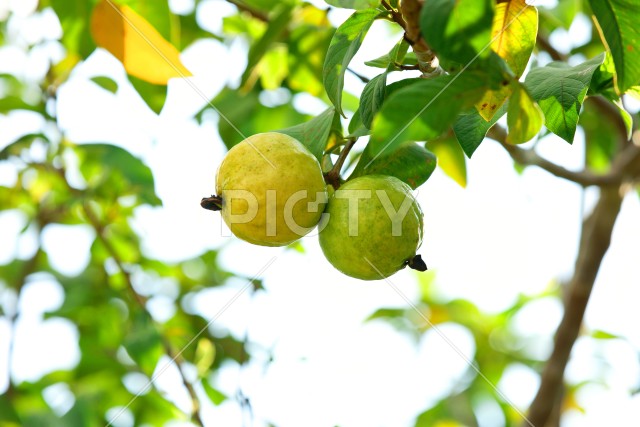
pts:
[90, 234]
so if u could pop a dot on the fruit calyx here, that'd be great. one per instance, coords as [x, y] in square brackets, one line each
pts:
[213, 203]
[417, 263]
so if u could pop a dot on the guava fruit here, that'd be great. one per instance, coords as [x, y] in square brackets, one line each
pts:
[372, 227]
[271, 188]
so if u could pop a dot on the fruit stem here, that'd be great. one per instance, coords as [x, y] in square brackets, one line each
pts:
[417, 263]
[333, 176]
[213, 203]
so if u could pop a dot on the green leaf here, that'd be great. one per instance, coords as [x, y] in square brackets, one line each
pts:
[153, 95]
[458, 30]
[308, 45]
[106, 83]
[372, 98]
[397, 55]
[618, 22]
[277, 26]
[75, 16]
[104, 166]
[470, 129]
[387, 313]
[450, 158]
[560, 90]
[215, 396]
[354, 4]
[603, 335]
[344, 45]
[274, 67]
[524, 117]
[411, 163]
[143, 343]
[11, 103]
[314, 133]
[241, 115]
[16, 147]
[423, 110]
[8, 415]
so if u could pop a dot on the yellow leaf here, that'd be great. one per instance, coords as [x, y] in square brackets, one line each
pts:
[513, 33]
[513, 37]
[524, 116]
[450, 159]
[491, 101]
[129, 37]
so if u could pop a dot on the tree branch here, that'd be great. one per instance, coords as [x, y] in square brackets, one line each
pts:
[141, 301]
[528, 157]
[250, 10]
[594, 243]
[409, 20]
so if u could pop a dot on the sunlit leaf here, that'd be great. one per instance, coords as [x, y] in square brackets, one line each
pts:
[142, 50]
[205, 356]
[106, 83]
[458, 30]
[470, 129]
[314, 133]
[102, 163]
[143, 343]
[344, 45]
[620, 31]
[423, 110]
[74, 16]
[450, 159]
[410, 163]
[215, 396]
[397, 55]
[277, 26]
[274, 67]
[354, 4]
[242, 115]
[153, 95]
[513, 36]
[372, 98]
[560, 90]
[524, 117]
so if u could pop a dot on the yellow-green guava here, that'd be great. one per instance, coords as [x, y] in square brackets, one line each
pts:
[272, 189]
[372, 227]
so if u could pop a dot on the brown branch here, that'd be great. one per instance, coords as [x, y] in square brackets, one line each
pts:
[594, 243]
[528, 157]
[243, 7]
[544, 44]
[409, 20]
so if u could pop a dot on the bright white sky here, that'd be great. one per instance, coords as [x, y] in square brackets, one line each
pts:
[504, 235]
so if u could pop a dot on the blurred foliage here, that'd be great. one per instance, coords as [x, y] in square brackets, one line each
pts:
[292, 49]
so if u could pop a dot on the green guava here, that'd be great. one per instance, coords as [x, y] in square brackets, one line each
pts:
[271, 188]
[372, 227]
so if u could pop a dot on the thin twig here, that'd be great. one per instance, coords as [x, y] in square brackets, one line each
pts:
[141, 301]
[250, 10]
[362, 78]
[529, 157]
[333, 176]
